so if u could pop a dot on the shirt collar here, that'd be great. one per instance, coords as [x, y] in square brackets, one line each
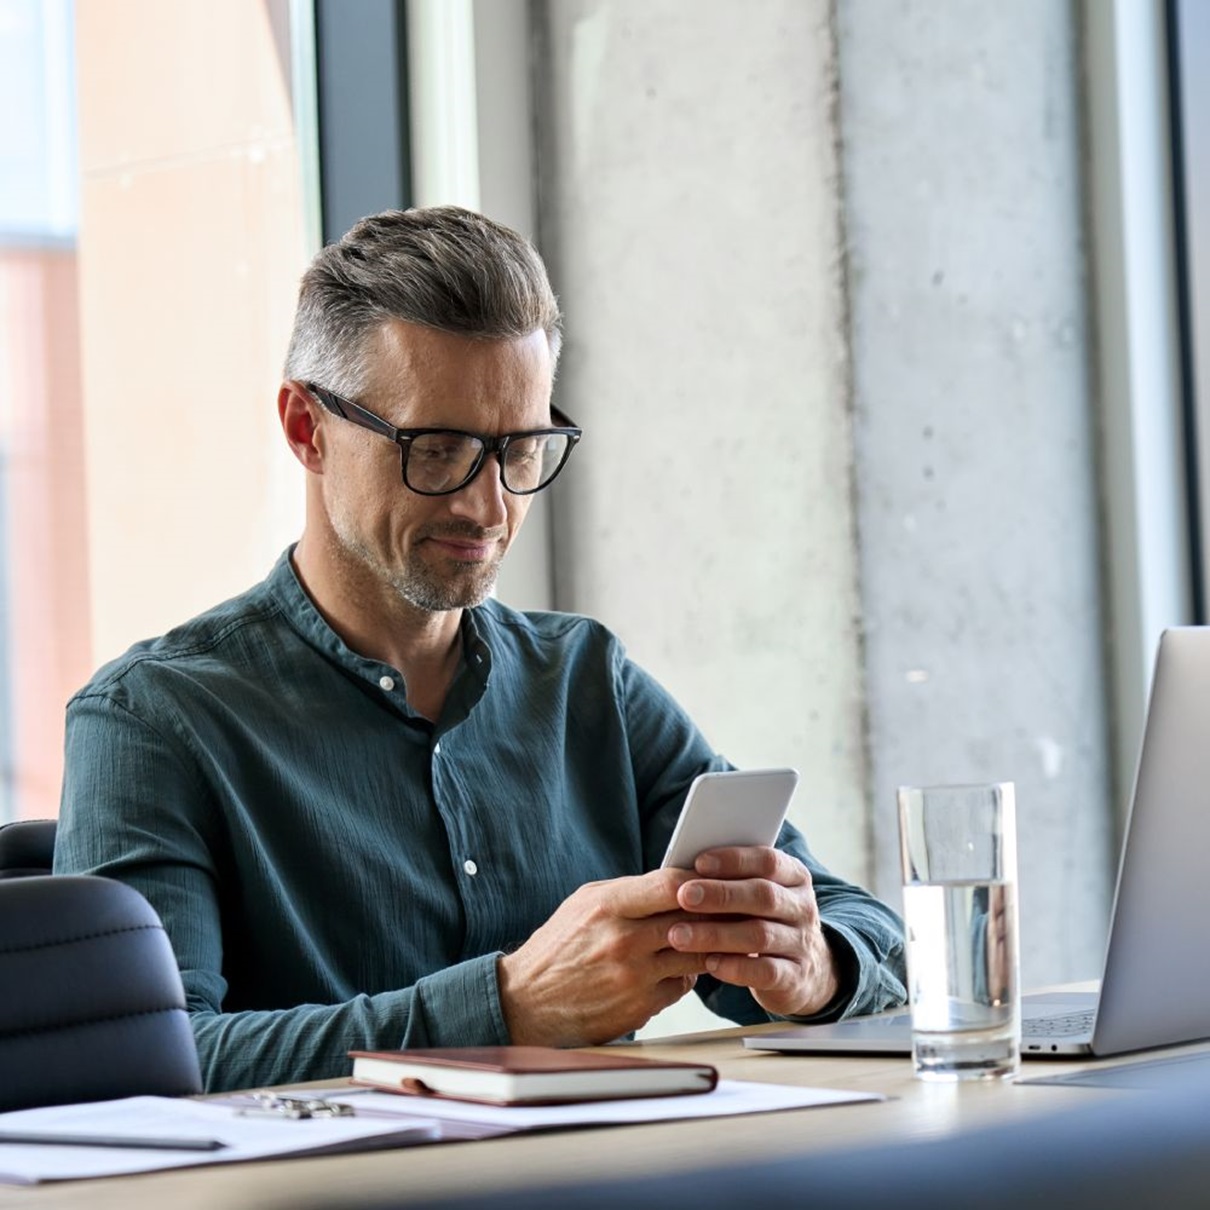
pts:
[469, 684]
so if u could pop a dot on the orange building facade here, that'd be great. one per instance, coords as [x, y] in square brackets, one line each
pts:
[142, 473]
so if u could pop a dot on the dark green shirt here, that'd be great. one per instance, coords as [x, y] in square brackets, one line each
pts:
[336, 872]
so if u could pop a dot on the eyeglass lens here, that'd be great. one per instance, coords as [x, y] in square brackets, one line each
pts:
[442, 462]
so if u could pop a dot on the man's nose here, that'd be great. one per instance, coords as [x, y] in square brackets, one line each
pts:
[483, 498]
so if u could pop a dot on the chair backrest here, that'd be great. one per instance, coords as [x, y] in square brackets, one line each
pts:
[27, 847]
[91, 1002]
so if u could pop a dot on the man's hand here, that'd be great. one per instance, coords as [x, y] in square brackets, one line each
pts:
[601, 966]
[769, 938]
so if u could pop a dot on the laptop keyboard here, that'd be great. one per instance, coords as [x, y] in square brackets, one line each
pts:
[1065, 1026]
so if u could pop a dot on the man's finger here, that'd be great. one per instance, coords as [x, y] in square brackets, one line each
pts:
[644, 894]
[753, 862]
[748, 936]
[749, 897]
[760, 972]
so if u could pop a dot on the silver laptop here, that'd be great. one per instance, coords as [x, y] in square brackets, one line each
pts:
[1155, 985]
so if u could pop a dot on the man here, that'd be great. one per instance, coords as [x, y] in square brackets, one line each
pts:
[373, 806]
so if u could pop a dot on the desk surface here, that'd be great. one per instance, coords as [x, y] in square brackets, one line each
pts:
[916, 1110]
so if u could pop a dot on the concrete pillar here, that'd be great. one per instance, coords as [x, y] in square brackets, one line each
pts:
[975, 437]
[689, 211]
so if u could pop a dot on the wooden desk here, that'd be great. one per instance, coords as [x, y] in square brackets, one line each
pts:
[916, 1110]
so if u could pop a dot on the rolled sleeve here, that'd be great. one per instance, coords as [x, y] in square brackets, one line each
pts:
[459, 1006]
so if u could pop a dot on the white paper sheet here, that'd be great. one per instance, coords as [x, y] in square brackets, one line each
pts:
[728, 1098]
[247, 1138]
[382, 1119]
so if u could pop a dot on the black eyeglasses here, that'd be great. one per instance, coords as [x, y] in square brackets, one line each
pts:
[436, 462]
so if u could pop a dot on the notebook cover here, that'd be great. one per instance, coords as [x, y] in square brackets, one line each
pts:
[520, 1061]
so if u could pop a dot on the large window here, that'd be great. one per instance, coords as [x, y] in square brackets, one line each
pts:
[44, 639]
[154, 220]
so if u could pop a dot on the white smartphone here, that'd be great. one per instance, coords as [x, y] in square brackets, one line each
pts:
[731, 808]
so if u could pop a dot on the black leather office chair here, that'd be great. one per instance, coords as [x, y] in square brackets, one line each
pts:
[91, 1002]
[27, 847]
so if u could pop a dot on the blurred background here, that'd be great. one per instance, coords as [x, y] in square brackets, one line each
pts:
[886, 321]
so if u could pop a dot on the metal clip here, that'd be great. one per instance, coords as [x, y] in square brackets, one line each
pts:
[271, 1105]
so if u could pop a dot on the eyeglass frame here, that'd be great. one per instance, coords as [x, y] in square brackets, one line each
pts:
[346, 409]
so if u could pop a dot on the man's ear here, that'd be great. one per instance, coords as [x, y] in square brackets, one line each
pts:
[299, 411]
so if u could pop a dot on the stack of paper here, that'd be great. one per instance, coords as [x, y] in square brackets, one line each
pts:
[209, 1133]
[220, 1131]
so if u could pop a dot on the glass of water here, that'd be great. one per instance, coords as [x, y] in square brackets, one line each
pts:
[959, 851]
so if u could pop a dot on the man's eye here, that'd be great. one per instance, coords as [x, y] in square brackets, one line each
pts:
[525, 450]
[439, 450]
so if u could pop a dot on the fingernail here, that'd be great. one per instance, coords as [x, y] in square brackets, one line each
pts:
[693, 895]
[708, 865]
[712, 963]
[679, 935]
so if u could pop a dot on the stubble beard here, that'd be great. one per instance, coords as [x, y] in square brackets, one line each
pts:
[422, 585]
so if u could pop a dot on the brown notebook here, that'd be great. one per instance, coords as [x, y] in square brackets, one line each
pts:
[526, 1075]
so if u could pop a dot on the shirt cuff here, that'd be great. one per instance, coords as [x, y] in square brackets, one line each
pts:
[461, 1006]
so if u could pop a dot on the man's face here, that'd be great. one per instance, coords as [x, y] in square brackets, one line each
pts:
[437, 552]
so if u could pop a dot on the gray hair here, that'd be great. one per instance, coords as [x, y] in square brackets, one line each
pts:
[441, 267]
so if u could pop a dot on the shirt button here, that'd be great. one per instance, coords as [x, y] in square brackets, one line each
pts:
[470, 867]
[386, 682]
